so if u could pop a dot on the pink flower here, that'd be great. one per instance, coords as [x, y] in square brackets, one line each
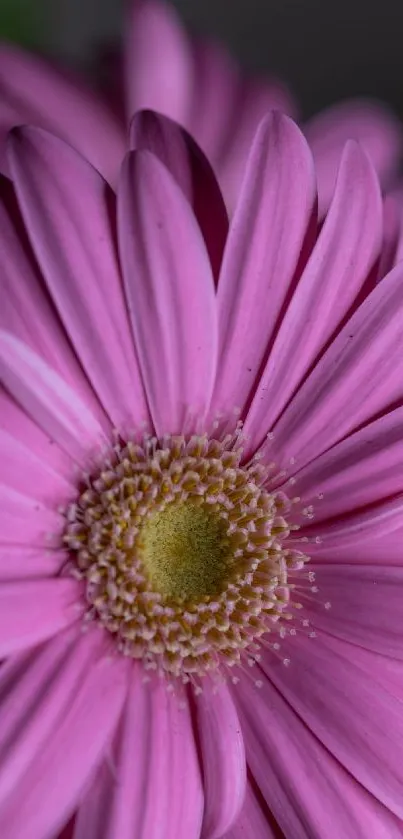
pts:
[225, 686]
[199, 86]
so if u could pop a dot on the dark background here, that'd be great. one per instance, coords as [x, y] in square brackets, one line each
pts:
[325, 49]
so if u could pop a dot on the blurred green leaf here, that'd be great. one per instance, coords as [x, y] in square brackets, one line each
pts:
[22, 21]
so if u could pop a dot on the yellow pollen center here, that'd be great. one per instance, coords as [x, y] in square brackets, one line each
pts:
[185, 551]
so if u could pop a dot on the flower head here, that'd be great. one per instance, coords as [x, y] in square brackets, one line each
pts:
[201, 514]
[195, 83]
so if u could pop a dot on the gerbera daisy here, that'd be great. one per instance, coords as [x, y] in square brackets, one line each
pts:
[198, 85]
[201, 515]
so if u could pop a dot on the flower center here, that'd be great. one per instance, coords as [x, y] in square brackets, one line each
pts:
[184, 552]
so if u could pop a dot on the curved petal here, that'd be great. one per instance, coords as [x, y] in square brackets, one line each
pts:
[360, 470]
[48, 400]
[22, 470]
[69, 758]
[24, 562]
[351, 713]
[223, 760]
[67, 209]
[26, 309]
[159, 69]
[261, 258]
[31, 612]
[366, 605]
[345, 252]
[26, 520]
[255, 818]
[170, 293]
[357, 378]
[40, 94]
[157, 790]
[190, 168]
[256, 98]
[371, 123]
[391, 235]
[300, 780]
[36, 690]
[371, 536]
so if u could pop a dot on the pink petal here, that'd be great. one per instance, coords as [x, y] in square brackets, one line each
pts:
[23, 471]
[69, 758]
[31, 612]
[255, 819]
[391, 235]
[24, 562]
[40, 94]
[158, 62]
[217, 88]
[157, 791]
[36, 691]
[170, 292]
[223, 760]
[345, 253]
[25, 520]
[26, 309]
[48, 399]
[256, 98]
[366, 605]
[371, 123]
[357, 378]
[371, 536]
[190, 168]
[264, 247]
[67, 208]
[355, 718]
[361, 470]
[300, 781]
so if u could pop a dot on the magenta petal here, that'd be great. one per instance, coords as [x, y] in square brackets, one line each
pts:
[366, 605]
[24, 562]
[31, 612]
[346, 251]
[357, 378]
[190, 168]
[69, 758]
[391, 236]
[267, 235]
[157, 791]
[300, 780]
[26, 309]
[66, 206]
[223, 760]
[363, 469]
[371, 123]
[158, 62]
[23, 471]
[40, 95]
[255, 819]
[25, 520]
[36, 690]
[170, 293]
[48, 400]
[349, 711]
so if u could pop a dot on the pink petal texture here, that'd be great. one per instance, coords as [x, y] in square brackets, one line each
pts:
[157, 790]
[262, 255]
[170, 291]
[66, 206]
[36, 689]
[24, 472]
[26, 309]
[48, 400]
[23, 562]
[81, 737]
[255, 818]
[365, 605]
[334, 275]
[297, 776]
[361, 470]
[179, 153]
[371, 123]
[223, 760]
[357, 378]
[26, 520]
[158, 61]
[31, 612]
[391, 236]
[33, 91]
[345, 708]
